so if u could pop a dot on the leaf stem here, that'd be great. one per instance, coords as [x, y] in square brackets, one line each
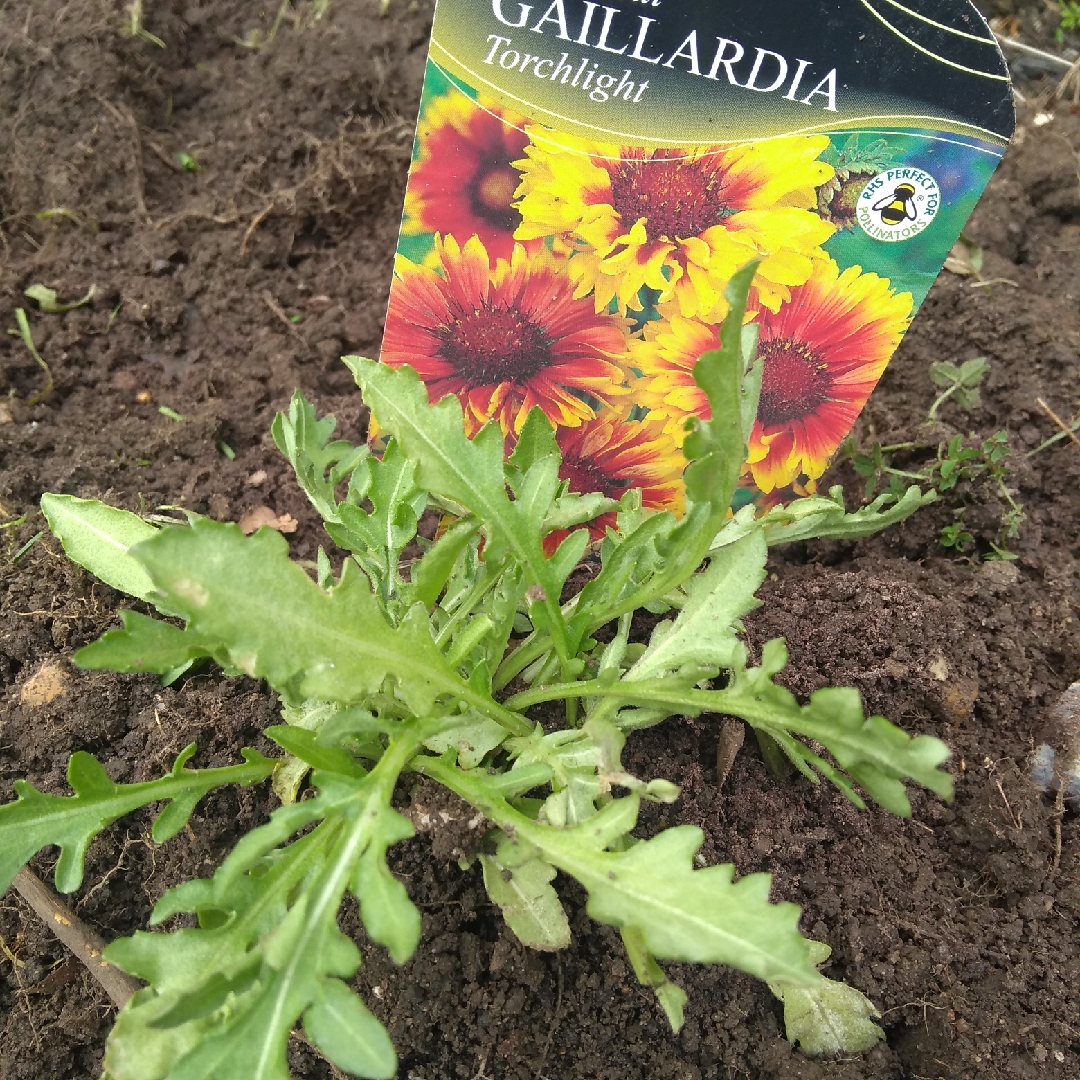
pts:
[28, 341]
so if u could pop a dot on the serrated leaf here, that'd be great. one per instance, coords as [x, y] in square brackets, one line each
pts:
[521, 886]
[875, 753]
[716, 448]
[703, 635]
[574, 760]
[625, 568]
[348, 1034]
[271, 908]
[830, 1018]
[572, 509]
[691, 915]
[320, 465]
[469, 472]
[379, 535]
[826, 519]
[244, 599]
[535, 442]
[98, 537]
[35, 820]
[431, 573]
[139, 1050]
[681, 913]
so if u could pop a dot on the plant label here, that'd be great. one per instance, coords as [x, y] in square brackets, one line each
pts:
[587, 176]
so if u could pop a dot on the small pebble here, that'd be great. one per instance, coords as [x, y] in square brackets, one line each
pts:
[1050, 770]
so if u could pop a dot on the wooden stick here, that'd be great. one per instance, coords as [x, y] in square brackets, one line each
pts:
[76, 935]
[1057, 420]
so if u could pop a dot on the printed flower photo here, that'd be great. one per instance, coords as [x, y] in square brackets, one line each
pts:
[541, 269]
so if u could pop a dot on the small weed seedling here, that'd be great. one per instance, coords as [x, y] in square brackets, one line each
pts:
[28, 340]
[961, 382]
[1068, 20]
[48, 302]
[430, 671]
[984, 465]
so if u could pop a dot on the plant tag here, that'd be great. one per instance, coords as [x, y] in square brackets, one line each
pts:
[587, 176]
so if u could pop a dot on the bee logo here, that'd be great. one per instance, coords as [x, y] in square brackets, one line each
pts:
[899, 206]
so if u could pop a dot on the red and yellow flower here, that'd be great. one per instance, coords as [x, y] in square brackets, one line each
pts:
[504, 337]
[463, 179]
[824, 351]
[612, 453]
[677, 221]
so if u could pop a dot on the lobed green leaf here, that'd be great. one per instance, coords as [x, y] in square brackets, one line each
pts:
[681, 913]
[35, 820]
[320, 465]
[247, 602]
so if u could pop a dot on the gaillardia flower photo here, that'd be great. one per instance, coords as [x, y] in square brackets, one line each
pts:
[824, 351]
[677, 221]
[503, 337]
[612, 453]
[463, 180]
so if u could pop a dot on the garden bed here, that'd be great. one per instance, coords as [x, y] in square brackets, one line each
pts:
[235, 202]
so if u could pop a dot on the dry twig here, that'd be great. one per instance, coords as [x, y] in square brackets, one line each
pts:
[1057, 420]
[76, 935]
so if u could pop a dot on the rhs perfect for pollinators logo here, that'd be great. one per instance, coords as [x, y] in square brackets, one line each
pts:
[898, 204]
[588, 176]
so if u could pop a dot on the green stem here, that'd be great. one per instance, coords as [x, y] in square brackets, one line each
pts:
[510, 720]
[921, 477]
[526, 652]
[327, 892]
[551, 692]
[1008, 498]
[931, 416]
[28, 341]
[686, 558]
[532, 648]
[472, 597]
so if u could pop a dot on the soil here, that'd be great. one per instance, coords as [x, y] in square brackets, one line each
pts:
[221, 288]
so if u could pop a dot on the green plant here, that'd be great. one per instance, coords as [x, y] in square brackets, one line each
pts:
[135, 26]
[432, 670]
[187, 161]
[48, 302]
[1068, 20]
[961, 383]
[984, 465]
[28, 340]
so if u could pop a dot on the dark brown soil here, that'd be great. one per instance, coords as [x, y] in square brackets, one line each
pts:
[962, 924]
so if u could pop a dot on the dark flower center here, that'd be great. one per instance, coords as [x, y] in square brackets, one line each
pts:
[491, 190]
[586, 478]
[489, 345]
[794, 383]
[678, 197]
